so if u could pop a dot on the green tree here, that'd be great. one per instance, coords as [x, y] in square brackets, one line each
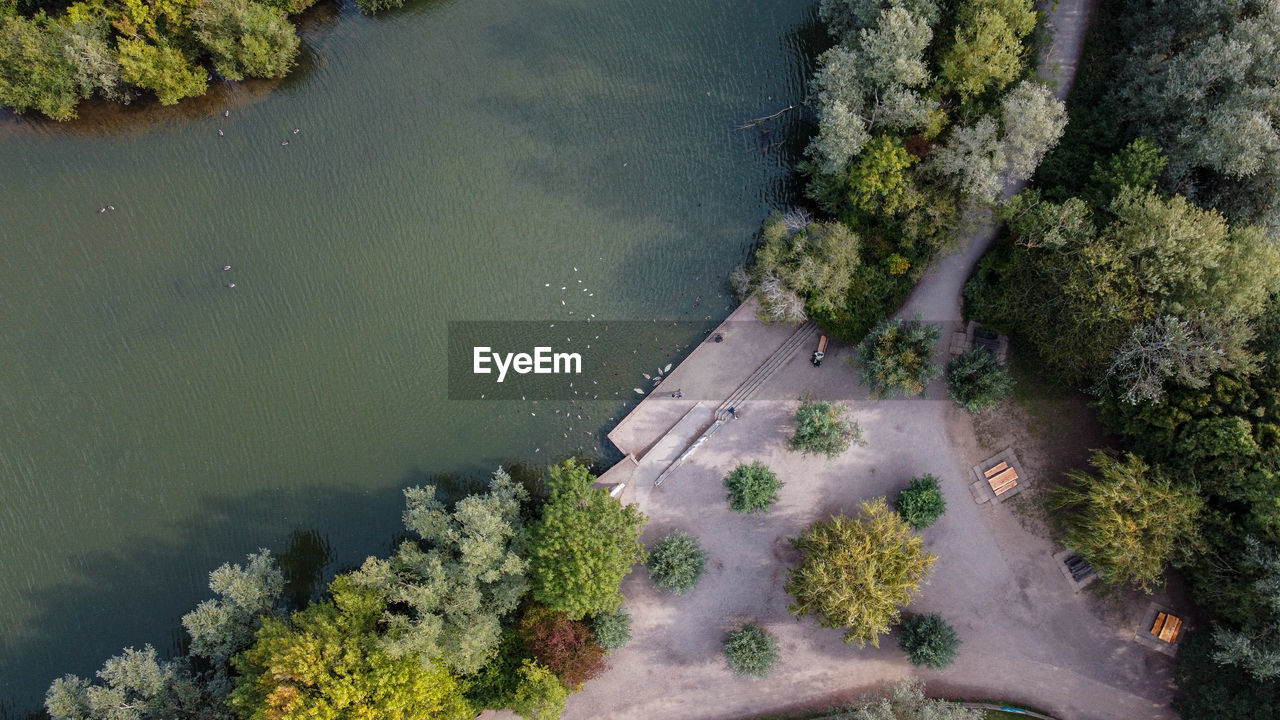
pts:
[1130, 520]
[540, 695]
[752, 488]
[161, 68]
[751, 651]
[808, 268]
[1033, 122]
[896, 357]
[987, 51]
[447, 592]
[921, 502]
[612, 629]
[822, 429]
[906, 701]
[584, 544]
[1138, 165]
[676, 562]
[977, 381]
[972, 160]
[135, 685]
[326, 662]
[856, 572]
[221, 627]
[244, 37]
[929, 641]
[36, 71]
[1211, 691]
[878, 180]
[373, 7]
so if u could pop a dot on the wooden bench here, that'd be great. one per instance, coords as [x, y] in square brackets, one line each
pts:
[1169, 633]
[1003, 482]
[999, 468]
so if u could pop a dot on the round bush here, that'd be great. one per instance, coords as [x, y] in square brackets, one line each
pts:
[822, 429]
[751, 651]
[977, 382]
[612, 630]
[929, 641]
[896, 357]
[677, 561]
[921, 503]
[752, 488]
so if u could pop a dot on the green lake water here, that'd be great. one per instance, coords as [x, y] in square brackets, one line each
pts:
[451, 161]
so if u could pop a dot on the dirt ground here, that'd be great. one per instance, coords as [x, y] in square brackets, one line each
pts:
[1026, 635]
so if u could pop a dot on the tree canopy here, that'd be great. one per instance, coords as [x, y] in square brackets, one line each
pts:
[583, 545]
[856, 573]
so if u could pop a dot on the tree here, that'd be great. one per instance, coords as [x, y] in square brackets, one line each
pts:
[1033, 122]
[1252, 641]
[1130, 520]
[540, 695]
[856, 572]
[972, 160]
[977, 381]
[921, 503]
[987, 50]
[1210, 691]
[326, 662]
[135, 685]
[566, 647]
[929, 641]
[1138, 165]
[612, 629]
[878, 180]
[373, 7]
[35, 70]
[1193, 78]
[161, 68]
[676, 562]
[821, 428]
[447, 592]
[906, 701]
[896, 357]
[222, 627]
[751, 651]
[245, 38]
[1166, 350]
[583, 545]
[805, 269]
[752, 488]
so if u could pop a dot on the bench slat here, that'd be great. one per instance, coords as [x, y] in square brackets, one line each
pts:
[999, 468]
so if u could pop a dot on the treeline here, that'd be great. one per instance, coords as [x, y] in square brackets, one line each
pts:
[508, 599]
[925, 109]
[53, 55]
[1143, 268]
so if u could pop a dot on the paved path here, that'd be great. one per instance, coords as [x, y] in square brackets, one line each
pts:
[1026, 637]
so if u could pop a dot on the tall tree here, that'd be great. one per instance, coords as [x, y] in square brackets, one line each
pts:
[326, 663]
[583, 545]
[135, 685]
[856, 573]
[1129, 520]
[447, 592]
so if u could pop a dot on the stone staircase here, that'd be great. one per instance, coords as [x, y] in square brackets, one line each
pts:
[780, 357]
[804, 334]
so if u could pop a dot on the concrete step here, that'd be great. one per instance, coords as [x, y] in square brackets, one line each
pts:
[802, 335]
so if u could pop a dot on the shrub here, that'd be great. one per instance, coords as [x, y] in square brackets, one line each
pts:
[929, 641]
[921, 503]
[612, 630]
[751, 651]
[540, 696]
[752, 488]
[564, 646]
[676, 562]
[896, 357]
[976, 381]
[855, 572]
[822, 429]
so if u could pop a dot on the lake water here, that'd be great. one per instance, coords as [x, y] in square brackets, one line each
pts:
[452, 161]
